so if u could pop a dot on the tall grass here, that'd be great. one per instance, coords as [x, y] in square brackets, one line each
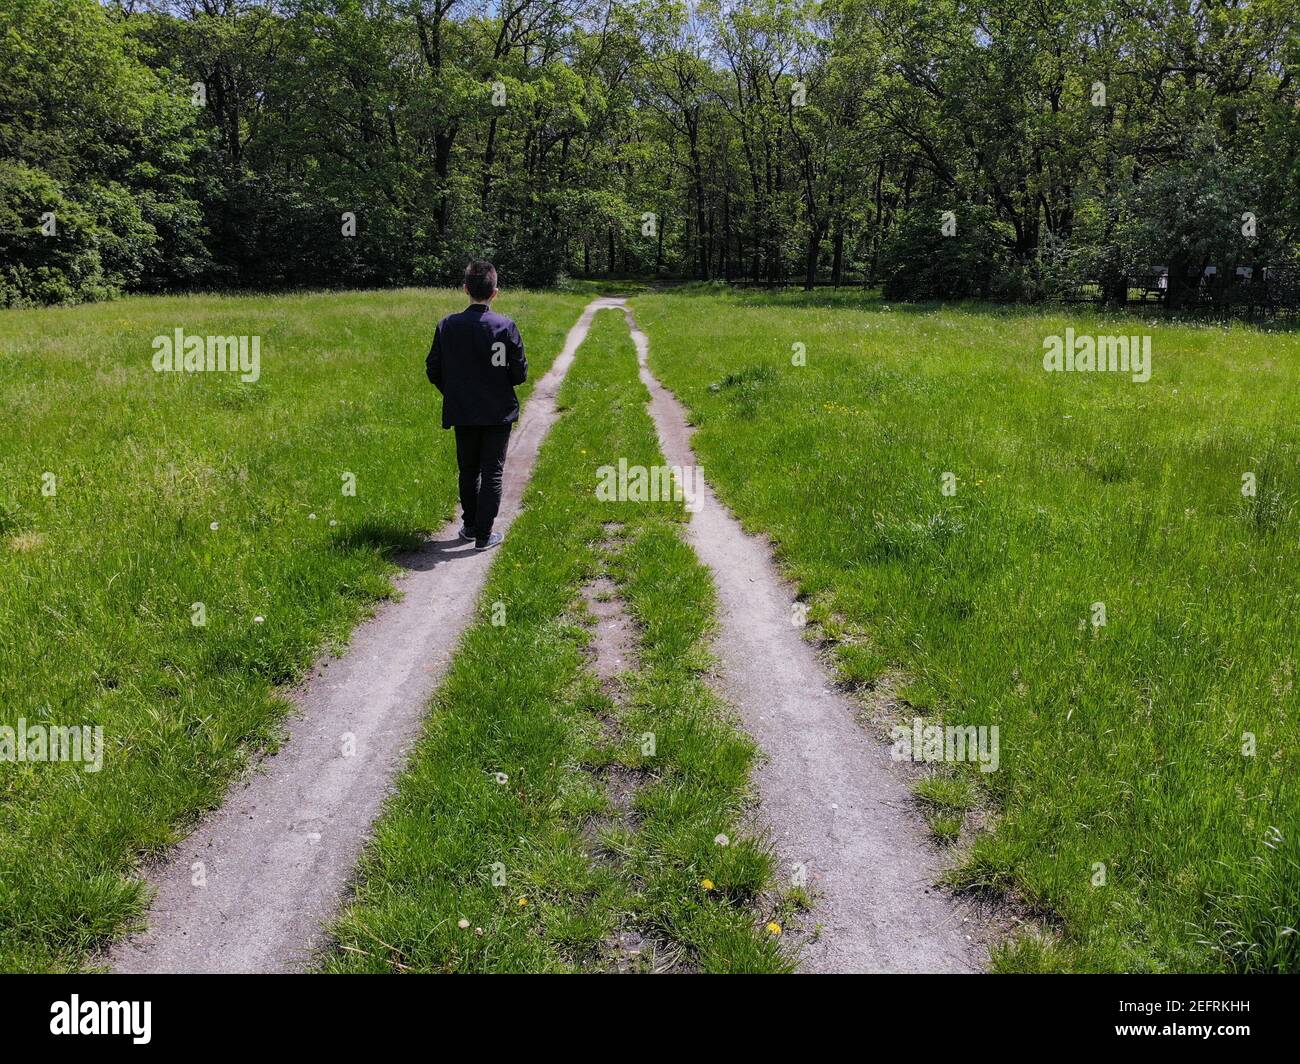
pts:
[172, 490]
[1122, 745]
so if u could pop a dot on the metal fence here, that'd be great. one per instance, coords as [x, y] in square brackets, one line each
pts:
[1269, 291]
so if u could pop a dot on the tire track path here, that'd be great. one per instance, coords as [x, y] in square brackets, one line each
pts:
[833, 800]
[276, 858]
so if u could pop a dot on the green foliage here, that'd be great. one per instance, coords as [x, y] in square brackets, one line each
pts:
[96, 139]
[765, 140]
[34, 268]
[919, 262]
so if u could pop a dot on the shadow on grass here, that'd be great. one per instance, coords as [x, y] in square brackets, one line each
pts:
[411, 548]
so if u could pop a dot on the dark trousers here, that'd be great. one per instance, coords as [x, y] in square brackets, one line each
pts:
[481, 459]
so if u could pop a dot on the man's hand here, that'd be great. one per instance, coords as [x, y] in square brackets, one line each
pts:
[516, 363]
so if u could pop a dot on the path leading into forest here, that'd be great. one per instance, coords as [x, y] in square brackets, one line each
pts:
[252, 889]
[834, 801]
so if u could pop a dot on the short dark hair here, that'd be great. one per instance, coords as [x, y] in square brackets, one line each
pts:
[481, 279]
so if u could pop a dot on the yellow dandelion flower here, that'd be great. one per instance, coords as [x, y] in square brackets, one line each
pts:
[523, 901]
[707, 884]
[773, 928]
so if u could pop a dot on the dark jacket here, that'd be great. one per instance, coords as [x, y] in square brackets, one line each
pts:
[476, 359]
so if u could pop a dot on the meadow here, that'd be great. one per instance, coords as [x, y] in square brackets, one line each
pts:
[1104, 569]
[198, 541]
[546, 815]
[1110, 577]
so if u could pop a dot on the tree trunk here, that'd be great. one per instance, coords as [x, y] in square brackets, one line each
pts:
[489, 157]
[442, 143]
[725, 265]
[810, 260]
[876, 229]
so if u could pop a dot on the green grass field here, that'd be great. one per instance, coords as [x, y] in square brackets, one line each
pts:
[590, 832]
[1121, 745]
[99, 580]
[1146, 802]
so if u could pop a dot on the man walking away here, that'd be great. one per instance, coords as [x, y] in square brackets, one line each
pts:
[476, 359]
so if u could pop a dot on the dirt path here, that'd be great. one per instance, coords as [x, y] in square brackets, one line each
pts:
[277, 856]
[835, 802]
